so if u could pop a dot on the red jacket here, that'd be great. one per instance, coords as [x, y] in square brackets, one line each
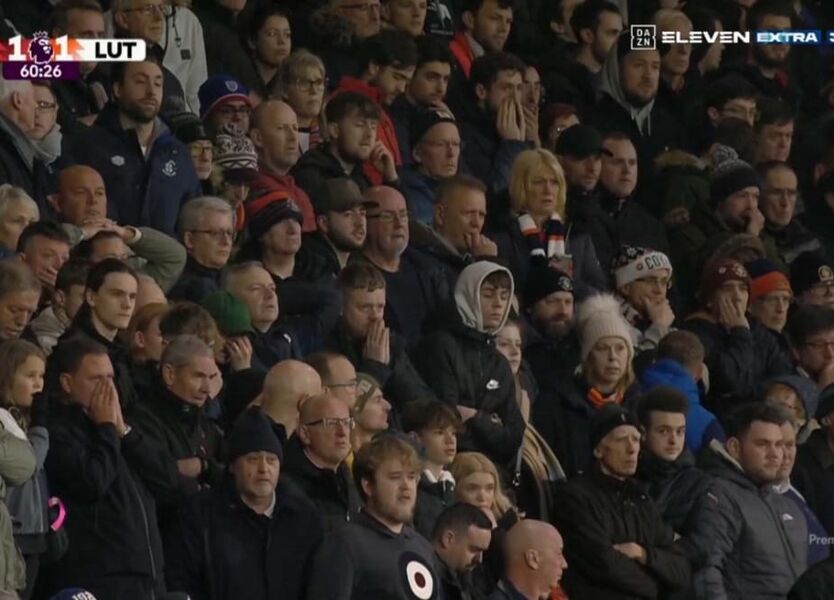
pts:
[462, 50]
[269, 182]
[386, 133]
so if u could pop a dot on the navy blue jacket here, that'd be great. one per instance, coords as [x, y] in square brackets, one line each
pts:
[196, 282]
[488, 157]
[141, 190]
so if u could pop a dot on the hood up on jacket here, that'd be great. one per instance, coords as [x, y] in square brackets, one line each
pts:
[612, 86]
[468, 296]
[805, 389]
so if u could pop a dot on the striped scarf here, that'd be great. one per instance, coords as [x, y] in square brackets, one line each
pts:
[598, 400]
[546, 243]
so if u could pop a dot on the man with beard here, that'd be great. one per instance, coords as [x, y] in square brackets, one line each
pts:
[484, 27]
[341, 217]
[275, 135]
[747, 540]
[630, 80]
[417, 287]
[767, 63]
[597, 25]
[378, 554]
[148, 173]
[461, 536]
[352, 120]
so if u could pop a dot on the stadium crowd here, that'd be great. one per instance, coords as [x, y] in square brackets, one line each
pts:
[418, 300]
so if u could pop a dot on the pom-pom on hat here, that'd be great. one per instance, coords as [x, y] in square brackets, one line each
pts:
[730, 175]
[599, 317]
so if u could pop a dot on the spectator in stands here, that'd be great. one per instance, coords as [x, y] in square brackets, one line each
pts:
[235, 168]
[145, 187]
[302, 80]
[222, 22]
[45, 247]
[579, 150]
[81, 98]
[539, 227]
[811, 335]
[435, 426]
[740, 514]
[460, 538]
[416, 288]
[620, 219]
[406, 16]
[739, 353]
[111, 509]
[494, 132]
[534, 561]
[456, 238]
[731, 96]
[145, 343]
[642, 277]
[315, 460]
[287, 386]
[675, 89]
[207, 225]
[780, 191]
[436, 157]
[426, 90]
[365, 557]
[680, 365]
[615, 538]
[190, 130]
[269, 41]
[799, 396]
[365, 21]
[813, 475]
[342, 224]
[597, 25]
[770, 295]
[227, 524]
[186, 57]
[449, 357]
[666, 465]
[223, 100]
[606, 377]
[774, 131]
[364, 338]
[370, 413]
[352, 122]
[275, 135]
[17, 211]
[338, 376]
[67, 298]
[767, 65]
[812, 280]
[478, 483]
[20, 291]
[46, 134]
[174, 415]
[484, 28]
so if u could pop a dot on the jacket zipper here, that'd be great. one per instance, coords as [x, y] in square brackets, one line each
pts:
[147, 532]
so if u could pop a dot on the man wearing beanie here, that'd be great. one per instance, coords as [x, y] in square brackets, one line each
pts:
[739, 352]
[812, 279]
[642, 278]
[222, 549]
[461, 364]
[770, 294]
[606, 377]
[616, 542]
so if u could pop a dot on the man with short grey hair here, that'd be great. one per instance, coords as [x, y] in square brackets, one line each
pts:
[20, 292]
[207, 227]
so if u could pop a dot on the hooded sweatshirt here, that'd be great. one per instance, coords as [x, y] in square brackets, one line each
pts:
[611, 86]
[468, 295]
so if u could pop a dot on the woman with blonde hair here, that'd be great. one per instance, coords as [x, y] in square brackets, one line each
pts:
[477, 483]
[539, 230]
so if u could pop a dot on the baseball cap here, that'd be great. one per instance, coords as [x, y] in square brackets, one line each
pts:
[579, 141]
[339, 194]
[428, 118]
[218, 89]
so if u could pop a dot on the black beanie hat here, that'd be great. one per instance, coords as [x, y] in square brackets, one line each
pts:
[254, 432]
[608, 418]
[730, 175]
[543, 281]
[809, 269]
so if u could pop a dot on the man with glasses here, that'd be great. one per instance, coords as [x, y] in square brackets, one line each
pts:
[338, 376]
[314, 459]
[224, 99]
[812, 280]
[147, 171]
[416, 285]
[363, 15]
[780, 192]
[207, 225]
[642, 279]
[810, 332]
[732, 96]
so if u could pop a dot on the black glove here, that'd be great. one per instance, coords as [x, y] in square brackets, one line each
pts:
[40, 410]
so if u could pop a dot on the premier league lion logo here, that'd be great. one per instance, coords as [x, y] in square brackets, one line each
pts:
[40, 50]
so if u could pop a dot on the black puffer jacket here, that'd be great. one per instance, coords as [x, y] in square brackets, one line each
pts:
[593, 512]
[813, 476]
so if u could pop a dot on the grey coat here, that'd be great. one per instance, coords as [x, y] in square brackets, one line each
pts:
[28, 502]
[748, 541]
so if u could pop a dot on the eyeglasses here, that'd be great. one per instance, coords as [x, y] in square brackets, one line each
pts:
[388, 216]
[229, 111]
[333, 423]
[310, 84]
[821, 345]
[445, 144]
[206, 150]
[662, 282]
[217, 234]
[353, 383]
[43, 105]
[148, 10]
[363, 6]
[821, 290]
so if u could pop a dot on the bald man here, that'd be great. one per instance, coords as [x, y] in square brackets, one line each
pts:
[287, 386]
[533, 561]
[274, 132]
[338, 375]
[417, 285]
[148, 292]
[81, 197]
[314, 458]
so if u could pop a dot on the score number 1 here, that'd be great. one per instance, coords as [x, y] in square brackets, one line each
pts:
[61, 44]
